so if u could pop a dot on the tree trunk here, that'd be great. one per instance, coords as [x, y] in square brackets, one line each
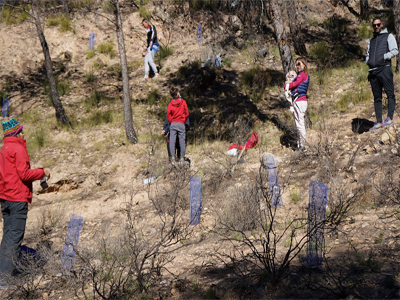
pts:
[364, 10]
[295, 30]
[60, 113]
[130, 131]
[280, 36]
[66, 8]
[396, 14]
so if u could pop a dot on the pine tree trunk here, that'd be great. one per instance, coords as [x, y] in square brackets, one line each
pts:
[60, 113]
[396, 14]
[295, 30]
[364, 10]
[130, 131]
[281, 38]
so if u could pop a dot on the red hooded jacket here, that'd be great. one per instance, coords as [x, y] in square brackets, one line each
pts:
[177, 111]
[16, 175]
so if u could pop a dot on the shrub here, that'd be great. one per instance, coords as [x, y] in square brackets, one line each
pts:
[108, 6]
[153, 97]
[90, 53]
[62, 21]
[90, 76]
[227, 61]
[11, 16]
[365, 30]
[107, 48]
[63, 87]
[80, 3]
[360, 95]
[96, 99]
[320, 52]
[144, 13]
[100, 117]
[187, 70]
[164, 52]
[255, 80]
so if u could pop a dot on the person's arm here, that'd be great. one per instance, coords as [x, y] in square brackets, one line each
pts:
[367, 55]
[169, 113]
[152, 35]
[392, 46]
[23, 170]
[166, 126]
[299, 80]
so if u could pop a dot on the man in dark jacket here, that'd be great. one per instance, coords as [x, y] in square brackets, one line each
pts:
[151, 49]
[16, 179]
[381, 48]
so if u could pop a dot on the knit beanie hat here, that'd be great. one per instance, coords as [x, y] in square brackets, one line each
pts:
[11, 127]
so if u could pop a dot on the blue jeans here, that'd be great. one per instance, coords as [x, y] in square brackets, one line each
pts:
[14, 218]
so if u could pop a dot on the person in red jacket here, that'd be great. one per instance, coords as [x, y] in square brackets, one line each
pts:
[177, 115]
[16, 179]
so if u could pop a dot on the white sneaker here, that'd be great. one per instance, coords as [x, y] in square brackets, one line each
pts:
[157, 76]
[145, 79]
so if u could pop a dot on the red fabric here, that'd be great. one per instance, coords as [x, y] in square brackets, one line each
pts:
[16, 175]
[251, 142]
[177, 111]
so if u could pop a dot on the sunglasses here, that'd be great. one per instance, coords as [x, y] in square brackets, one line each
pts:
[376, 25]
[298, 64]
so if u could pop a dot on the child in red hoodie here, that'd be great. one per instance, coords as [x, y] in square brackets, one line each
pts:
[177, 114]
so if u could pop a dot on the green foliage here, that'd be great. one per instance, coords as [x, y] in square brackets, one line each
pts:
[204, 4]
[186, 70]
[369, 262]
[108, 6]
[365, 30]
[362, 94]
[10, 16]
[107, 48]
[96, 99]
[294, 195]
[164, 51]
[227, 61]
[63, 87]
[90, 77]
[254, 81]
[144, 13]
[75, 4]
[62, 21]
[153, 97]
[100, 117]
[320, 52]
[90, 53]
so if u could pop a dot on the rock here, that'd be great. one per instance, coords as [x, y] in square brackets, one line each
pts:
[368, 149]
[104, 59]
[350, 106]
[68, 55]
[263, 52]
[388, 137]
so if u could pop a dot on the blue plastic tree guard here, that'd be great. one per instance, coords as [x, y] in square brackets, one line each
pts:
[199, 34]
[91, 40]
[195, 200]
[318, 196]
[276, 197]
[6, 107]
[71, 242]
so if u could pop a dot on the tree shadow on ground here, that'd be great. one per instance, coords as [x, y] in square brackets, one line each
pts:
[218, 108]
[349, 273]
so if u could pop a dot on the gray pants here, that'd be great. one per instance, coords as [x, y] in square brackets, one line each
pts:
[14, 218]
[149, 60]
[177, 129]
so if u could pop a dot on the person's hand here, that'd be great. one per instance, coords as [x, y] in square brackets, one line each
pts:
[47, 174]
[163, 132]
